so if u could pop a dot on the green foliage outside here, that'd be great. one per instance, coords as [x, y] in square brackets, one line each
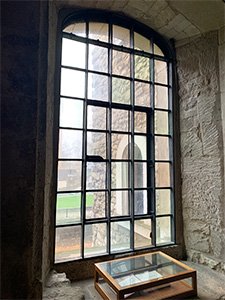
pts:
[73, 201]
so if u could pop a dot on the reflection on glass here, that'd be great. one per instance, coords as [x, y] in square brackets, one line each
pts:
[120, 236]
[98, 31]
[69, 175]
[140, 175]
[161, 97]
[72, 83]
[96, 117]
[71, 113]
[98, 58]
[96, 205]
[142, 67]
[140, 147]
[121, 120]
[73, 53]
[161, 122]
[163, 230]
[141, 43]
[76, 28]
[162, 174]
[157, 50]
[120, 202]
[163, 202]
[142, 94]
[140, 202]
[160, 71]
[121, 36]
[121, 63]
[96, 144]
[70, 143]
[67, 243]
[161, 148]
[68, 208]
[97, 87]
[140, 122]
[120, 90]
[142, 231]
[120, 146]
[120, 175]
[94, 239]
[96, 175]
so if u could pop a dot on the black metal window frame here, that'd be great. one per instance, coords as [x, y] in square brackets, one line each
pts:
[155, 38]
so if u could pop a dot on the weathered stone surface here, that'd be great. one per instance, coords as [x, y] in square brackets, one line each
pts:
[201, 155]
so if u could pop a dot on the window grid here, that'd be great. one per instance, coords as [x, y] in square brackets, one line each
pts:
[150, 135]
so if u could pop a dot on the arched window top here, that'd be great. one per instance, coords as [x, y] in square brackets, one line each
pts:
[116, 29]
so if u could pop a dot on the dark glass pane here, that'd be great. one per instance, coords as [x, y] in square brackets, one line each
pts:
[98, 58]
[96, 176]
[68, 208]
[69, 175]
[120, 235]
[120, 203]
[68, 243]
[95, 239]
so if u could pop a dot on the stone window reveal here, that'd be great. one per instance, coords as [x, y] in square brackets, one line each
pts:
[115, 158]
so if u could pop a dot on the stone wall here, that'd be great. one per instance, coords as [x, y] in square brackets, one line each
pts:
[202, 150]
[24, 72]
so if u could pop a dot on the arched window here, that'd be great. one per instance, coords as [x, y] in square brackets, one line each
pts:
[115, 154]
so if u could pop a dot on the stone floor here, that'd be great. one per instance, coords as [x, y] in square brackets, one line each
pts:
[211, 286]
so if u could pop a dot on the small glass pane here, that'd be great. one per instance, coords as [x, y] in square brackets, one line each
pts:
[72, 83]
[163, 230]
[95, 239]
[99, 31]
[142, 231]
[96, 175]
[97, 87]
[67, 243]
[98, 58]
[142, 94]
[161, 122]
[140, 175]
[161, 148]
[120, 90]
[120, 202]
[141, 43]
[69, 175]
[121, 36]
[121, 120]
[71, 113]
[121, 63]
[140, 202]
[121, 146]
[73, 53]
[76, 28]
[96, 117]
[120, 235]
[140, 147]
[142, 69]
[162, 174]
[157, 50]
[68, 208]
[96, 144]
[120, 175]
[96, 205]
[161, 71]
[140, 122]
[163, 201]
[70, 143]
[161, 97]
